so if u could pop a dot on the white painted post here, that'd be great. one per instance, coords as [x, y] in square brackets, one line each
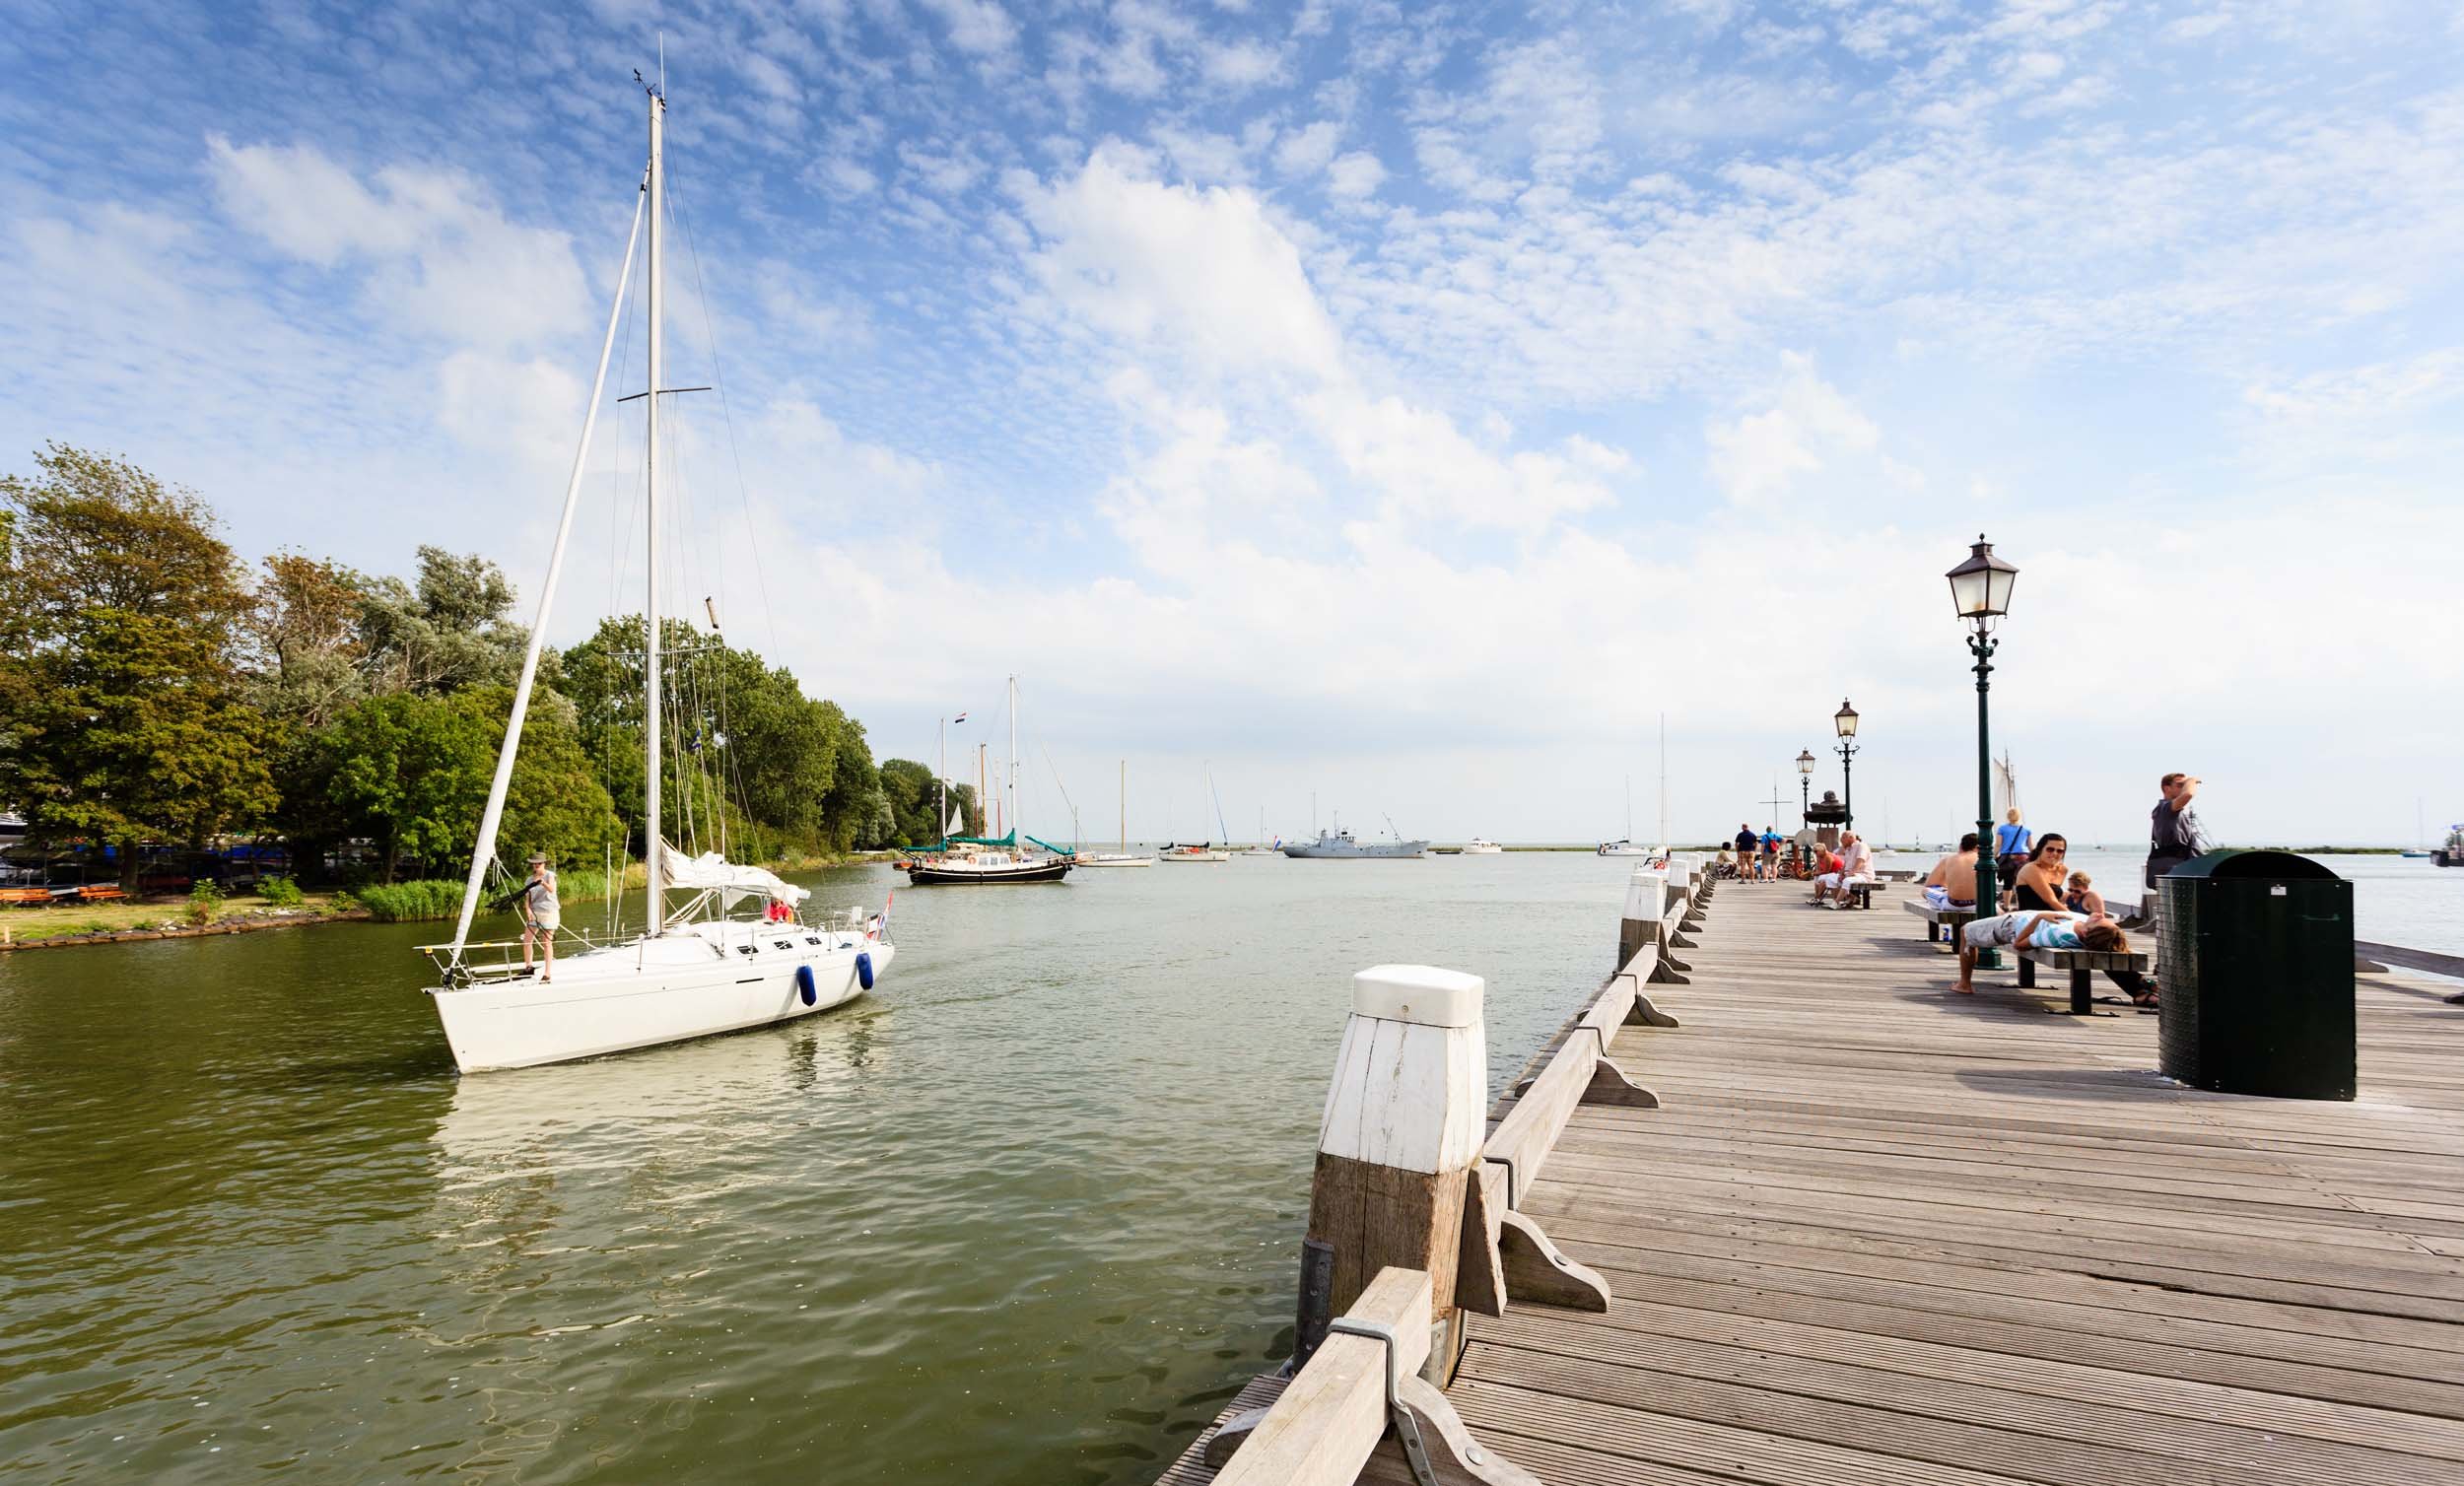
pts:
[1403, 1124]
[1646, 904]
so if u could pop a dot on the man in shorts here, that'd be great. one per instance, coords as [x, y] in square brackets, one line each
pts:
[1746, 843]
[1856, 864]
[1770, 853]
[542, 915]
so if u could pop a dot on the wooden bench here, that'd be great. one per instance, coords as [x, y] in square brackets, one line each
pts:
[98, 892]
[1861, 894]
[23, 896]
[2081, 964]
[1937, 919]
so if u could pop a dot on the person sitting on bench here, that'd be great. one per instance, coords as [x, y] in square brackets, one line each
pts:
[2026, 930]
[2040, 890]
[2081, 897]
[1855, 864]
[1953, 882]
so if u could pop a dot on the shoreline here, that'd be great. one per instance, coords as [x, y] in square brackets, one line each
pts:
[277, 918]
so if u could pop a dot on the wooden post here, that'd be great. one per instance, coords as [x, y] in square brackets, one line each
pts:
[1646, 904]
[1404, 1119]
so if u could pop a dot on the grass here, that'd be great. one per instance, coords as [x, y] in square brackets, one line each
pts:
[31, 925]
[413, 902]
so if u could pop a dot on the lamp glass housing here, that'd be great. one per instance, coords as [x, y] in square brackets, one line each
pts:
[1805, 761]
[1845, 721]
[1980, 587]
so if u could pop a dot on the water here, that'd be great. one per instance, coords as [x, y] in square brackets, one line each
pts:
[1028, 1213]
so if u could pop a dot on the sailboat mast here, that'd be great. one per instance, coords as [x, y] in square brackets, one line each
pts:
[942, 812]
[1009, 781]
[1664, 781]
[649, 552]
[1124, 807]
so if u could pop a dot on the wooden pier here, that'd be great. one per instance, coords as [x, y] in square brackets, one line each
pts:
[1876, 1231]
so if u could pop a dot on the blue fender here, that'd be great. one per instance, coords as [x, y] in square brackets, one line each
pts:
[804, 985]
[863, 969]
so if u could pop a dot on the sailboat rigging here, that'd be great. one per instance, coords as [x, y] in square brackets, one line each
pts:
[692, 972]
[1123, 857]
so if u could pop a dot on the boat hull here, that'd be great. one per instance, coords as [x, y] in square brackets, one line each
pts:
[695, 983]
[929, 874]
[1111, 860]
[1354, 851]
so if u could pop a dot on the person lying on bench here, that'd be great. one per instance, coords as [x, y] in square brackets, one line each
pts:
[2025, 931]
[1953, 882]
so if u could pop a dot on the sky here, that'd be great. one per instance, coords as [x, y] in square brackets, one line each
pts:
[1407, 408]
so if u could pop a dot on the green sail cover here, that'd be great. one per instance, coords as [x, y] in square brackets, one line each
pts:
[1010, 841]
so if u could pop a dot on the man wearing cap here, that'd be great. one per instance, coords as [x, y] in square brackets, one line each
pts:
[541, 915]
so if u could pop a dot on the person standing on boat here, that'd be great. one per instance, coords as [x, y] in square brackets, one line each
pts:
[2174, 835]
[542, 915]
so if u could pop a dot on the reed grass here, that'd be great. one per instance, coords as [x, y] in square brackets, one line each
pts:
[411, 902]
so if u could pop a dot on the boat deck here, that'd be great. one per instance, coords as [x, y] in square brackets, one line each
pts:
[1883, 1233]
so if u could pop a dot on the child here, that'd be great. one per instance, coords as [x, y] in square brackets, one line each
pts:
[2082, 897]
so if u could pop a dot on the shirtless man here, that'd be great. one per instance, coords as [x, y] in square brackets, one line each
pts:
[1953, 882]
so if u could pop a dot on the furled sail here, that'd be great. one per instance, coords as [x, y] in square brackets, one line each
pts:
[734, 881]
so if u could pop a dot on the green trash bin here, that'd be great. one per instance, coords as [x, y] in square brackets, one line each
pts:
[2255, 953]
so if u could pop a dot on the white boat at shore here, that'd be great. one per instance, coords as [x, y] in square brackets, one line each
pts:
[1124, 857]
[1480, 845]
[692, 972]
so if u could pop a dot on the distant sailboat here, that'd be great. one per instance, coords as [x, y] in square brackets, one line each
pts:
[1204, 850]
[986, 861]
[1124, 857]
[1625, 845]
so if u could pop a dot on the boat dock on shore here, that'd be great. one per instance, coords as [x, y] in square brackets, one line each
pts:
[1780, 1207]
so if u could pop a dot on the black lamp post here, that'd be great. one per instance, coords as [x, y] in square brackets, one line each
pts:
[1845, 721]
[1980, 588]
[1805, 785]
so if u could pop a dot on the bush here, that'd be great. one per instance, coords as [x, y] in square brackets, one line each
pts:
[205, 900]
[412, 902]
[281, 892]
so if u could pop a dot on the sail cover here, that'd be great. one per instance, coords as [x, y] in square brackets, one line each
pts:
[734, 881]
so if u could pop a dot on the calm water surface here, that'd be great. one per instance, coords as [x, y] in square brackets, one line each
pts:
[1027, 1213]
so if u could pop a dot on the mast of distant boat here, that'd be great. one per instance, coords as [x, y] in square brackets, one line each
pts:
[1124, 807]
[1664, 784]
[1012, 782]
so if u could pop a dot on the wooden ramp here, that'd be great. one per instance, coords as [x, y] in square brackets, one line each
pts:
[1882, 1233]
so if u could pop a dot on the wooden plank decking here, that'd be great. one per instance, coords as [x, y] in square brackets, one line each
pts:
[1881, 1232]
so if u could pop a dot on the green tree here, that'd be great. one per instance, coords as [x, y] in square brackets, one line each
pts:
[307, 634]
[448, 630]
[119, 681]
[915, 798]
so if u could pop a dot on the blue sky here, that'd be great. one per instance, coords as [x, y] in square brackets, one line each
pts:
[1403, 404]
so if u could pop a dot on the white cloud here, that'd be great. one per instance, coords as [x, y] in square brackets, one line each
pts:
[443, 259]
[979, 26]
[1760, 456]
[1354, 176]
[1306, 151]
[1243, 64]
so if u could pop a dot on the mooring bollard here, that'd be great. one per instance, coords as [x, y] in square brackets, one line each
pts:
[1403, 1122]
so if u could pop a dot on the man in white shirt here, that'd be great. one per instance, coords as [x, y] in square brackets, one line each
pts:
[1856, 864]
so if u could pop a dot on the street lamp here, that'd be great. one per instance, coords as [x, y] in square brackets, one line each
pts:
[1805, 785]
[1844, 722]
[1980, 589]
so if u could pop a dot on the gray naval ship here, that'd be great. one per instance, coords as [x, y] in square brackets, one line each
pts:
[1339, 845]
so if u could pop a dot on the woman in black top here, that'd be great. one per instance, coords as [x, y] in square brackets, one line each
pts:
[2040, 890]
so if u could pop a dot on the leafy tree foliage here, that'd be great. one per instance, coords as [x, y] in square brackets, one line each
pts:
[149, 692]
[914, 800]
[120, 678]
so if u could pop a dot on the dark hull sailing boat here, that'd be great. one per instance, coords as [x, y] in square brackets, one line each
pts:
[979, 860]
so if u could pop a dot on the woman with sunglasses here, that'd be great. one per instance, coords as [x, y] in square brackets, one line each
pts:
[2039, 889]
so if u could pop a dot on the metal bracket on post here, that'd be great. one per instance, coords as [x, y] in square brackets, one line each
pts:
[1317, 1303]
[1513, 1177]
[1399, 1417]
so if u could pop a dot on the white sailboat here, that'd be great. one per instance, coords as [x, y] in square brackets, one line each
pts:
[1261, 846]
[1124, 857]
[1204, 850]
[1625, 845]
[693, 971]
[1481, 846]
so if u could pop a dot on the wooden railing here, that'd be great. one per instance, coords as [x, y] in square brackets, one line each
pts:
[1334, 1412]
